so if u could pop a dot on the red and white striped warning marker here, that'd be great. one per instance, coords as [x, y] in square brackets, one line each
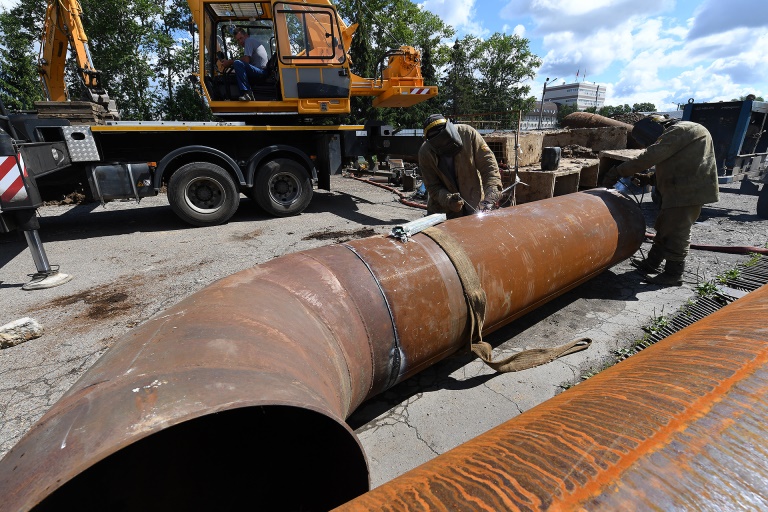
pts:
[420, 90]
[11, 181]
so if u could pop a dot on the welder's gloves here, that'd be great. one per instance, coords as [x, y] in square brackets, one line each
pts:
[455, 202]
[491, 195]
[642, 179]
[611, 177]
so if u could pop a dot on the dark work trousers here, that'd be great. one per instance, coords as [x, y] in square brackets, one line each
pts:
[673, 231]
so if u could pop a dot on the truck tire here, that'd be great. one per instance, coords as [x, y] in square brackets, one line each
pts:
[762, 202]
[203, 194]
[282, 188]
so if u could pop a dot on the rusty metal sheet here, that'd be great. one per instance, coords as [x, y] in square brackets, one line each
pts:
[679, 426]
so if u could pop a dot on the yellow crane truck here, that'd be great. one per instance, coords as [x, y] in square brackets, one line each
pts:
[268, 148]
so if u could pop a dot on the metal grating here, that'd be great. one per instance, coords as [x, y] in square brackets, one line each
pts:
[238, 10]
[751, 276]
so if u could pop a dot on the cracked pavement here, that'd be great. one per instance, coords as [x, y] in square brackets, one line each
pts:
[131, 262]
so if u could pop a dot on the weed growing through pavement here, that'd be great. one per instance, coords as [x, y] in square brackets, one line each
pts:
[732, 274]
[706, 289]
[754, 258]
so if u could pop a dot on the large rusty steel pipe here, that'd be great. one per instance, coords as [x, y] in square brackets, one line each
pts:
[680, 426]
[238, 394]
[587, 120]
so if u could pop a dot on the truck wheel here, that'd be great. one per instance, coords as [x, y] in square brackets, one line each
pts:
[282, 187]
[762, 202]
[203, 194]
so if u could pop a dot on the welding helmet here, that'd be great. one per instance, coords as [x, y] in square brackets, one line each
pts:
[442, 135]
[649, 129]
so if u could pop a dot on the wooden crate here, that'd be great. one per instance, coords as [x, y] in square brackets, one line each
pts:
[503, 147]
[588, 177]
[546, 184]
[611, 158]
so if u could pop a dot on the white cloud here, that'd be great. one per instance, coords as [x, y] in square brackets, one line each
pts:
[709, 57]
[460, 14]
[639, 51]
[518, 30]
[595, 53]
[716, 16]
[581, 17]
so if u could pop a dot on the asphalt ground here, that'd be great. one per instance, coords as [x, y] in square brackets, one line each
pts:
[131, 262]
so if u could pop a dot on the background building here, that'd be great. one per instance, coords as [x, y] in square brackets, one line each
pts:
[579, 94]
[530, 120]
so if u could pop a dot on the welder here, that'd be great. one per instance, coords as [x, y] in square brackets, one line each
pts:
[685, 177]
[459, 170]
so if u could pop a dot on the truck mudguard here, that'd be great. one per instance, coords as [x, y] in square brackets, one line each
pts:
[255, 161]
[170, 157]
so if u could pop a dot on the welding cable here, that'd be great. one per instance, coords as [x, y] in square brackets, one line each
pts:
[403, 197]
[729, 249]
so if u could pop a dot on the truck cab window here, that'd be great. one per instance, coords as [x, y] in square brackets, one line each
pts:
[308, 35]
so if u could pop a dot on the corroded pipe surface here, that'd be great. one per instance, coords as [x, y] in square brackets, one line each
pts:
[679, 426]
[587, 120]
[238, 394]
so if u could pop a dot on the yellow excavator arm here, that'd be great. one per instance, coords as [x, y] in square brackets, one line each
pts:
[308, 71]
[63, 31]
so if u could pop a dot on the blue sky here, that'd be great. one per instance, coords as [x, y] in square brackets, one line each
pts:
[658, 51]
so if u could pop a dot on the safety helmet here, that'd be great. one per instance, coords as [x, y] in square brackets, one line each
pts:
[442, 135]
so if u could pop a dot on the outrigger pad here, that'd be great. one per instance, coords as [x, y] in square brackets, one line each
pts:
[42, 281]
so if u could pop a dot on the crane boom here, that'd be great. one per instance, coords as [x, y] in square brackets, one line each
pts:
[62, 31]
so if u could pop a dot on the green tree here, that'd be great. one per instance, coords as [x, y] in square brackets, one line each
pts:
[643, 107]
[176, 59]
[611, 111]
[459, 89]
[363, 60]
[185, 104]
[505, 63]
[19, 83]
[386, 25]
[123, 43]
[564, 110]
[742, 98]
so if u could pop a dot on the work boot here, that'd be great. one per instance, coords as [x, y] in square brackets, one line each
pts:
[672, 275]
[651, 264]
[246, 96]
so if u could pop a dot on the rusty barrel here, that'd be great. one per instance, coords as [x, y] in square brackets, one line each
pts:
[680, 426]
[238, 394]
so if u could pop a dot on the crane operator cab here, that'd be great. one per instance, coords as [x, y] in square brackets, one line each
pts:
[307, 70]
[223, 84]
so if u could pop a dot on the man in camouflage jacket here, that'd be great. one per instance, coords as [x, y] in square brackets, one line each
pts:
[686, 179]
[458, 168]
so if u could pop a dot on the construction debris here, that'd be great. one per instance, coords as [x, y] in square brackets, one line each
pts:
[19, 331]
